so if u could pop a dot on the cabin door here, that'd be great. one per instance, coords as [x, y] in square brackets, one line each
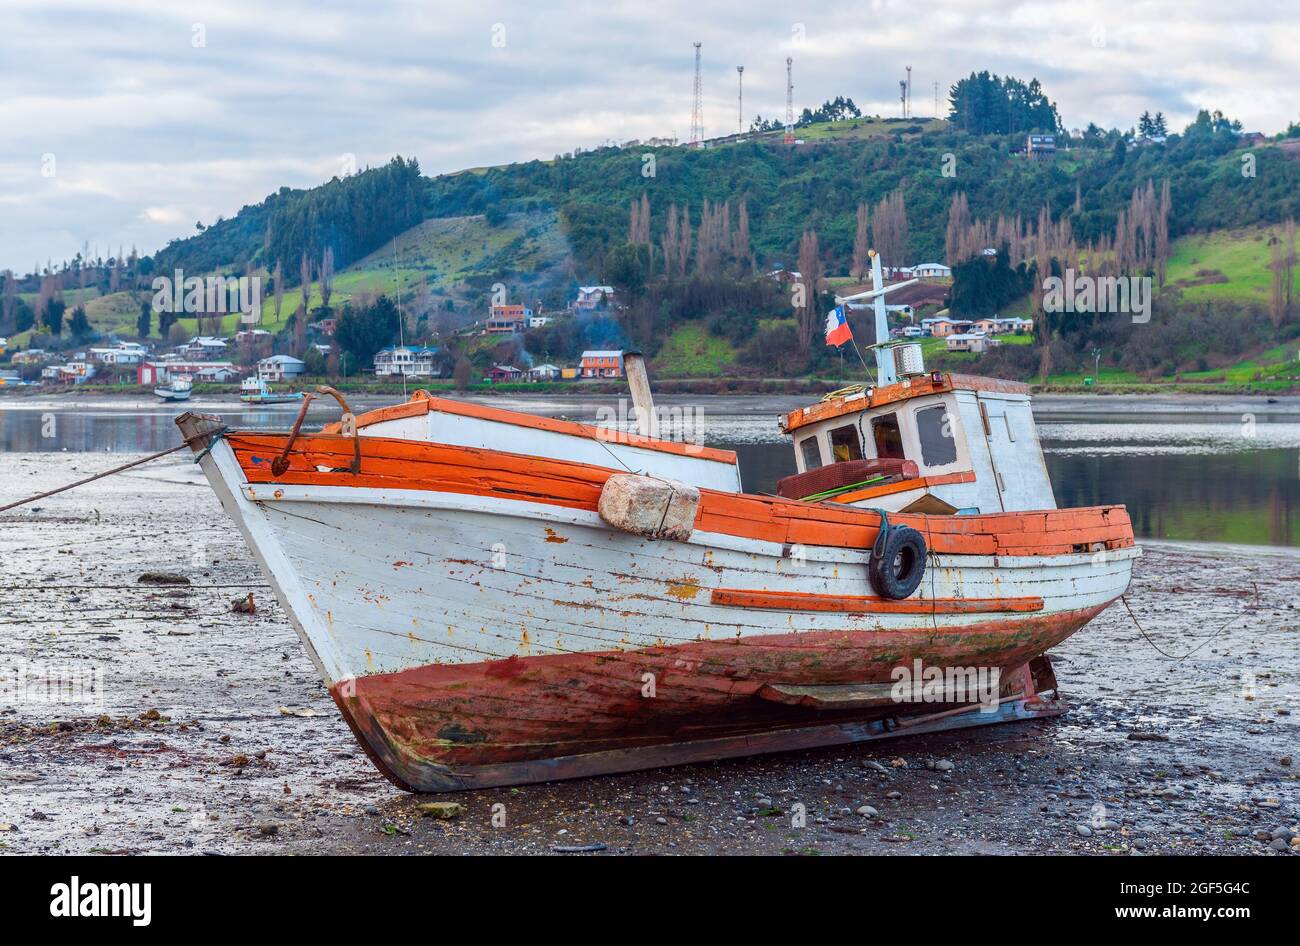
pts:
[997, 440]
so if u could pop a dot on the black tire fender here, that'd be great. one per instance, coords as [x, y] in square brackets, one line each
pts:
[897, 562]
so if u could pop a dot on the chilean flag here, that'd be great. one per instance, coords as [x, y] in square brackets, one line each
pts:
[837, 327]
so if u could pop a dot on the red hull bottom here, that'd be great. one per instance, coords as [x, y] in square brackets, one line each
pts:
[534, 719]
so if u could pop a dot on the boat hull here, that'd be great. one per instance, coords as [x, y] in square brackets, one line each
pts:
[487, 627]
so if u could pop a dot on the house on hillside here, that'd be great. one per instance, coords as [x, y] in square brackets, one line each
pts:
[203, 348]
[74, 372]
[593, 297]
[931, 271]
[971, 341]
[543, 373]
[501, 373]
[1041, 147]
[413, 362]
[32, 356]
[149, 373]
[942, 328]
[280, 368]
[602, 363]
[508, 319]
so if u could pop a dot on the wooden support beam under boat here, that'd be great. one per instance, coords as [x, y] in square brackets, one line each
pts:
[868, 604]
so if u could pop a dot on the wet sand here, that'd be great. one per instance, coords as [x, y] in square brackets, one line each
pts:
[216, 735]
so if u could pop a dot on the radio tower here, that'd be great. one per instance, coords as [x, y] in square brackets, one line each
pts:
[908, 109]
[936, 100]
[740, 100]
[789, 100]
[902, 95]
[697, 111]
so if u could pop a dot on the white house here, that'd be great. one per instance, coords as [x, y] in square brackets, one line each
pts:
[159, 372]
[537, 321]
[543, 373]
[591, 297]
[203, 348]
[405, 360]
[218, 374]
[931, 271]
[280, 368]
[971, 341]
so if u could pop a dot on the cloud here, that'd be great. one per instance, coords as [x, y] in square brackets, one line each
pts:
[163, 115]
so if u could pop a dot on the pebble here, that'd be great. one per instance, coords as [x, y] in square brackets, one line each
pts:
[443, 810]
[893, 796]
[1084, 830]
[867, 811]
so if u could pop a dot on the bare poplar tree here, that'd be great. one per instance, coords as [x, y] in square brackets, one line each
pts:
[861, 241]
[810, 276]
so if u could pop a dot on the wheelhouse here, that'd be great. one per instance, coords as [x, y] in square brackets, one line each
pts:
[937, 442]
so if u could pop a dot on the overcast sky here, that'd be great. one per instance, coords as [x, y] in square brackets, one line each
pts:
[125, 122]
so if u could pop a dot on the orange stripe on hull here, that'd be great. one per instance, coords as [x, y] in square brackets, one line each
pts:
[866, 604]
[322, 460]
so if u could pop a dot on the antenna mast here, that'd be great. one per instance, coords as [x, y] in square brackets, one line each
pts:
[789, 100]
[697, 110]
[907, 111]
[740, 100]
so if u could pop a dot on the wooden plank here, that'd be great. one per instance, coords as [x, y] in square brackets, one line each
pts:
[868, 604]
[830, 696]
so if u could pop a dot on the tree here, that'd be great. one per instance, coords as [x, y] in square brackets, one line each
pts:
[860, 245]
[363, 331]
[983, 104]
[52, 316]
[79, 326]
[304, 275]
[326, 277]
[810, 276]
[8, 301]
[278, 290]
[890, 230]
[144, 319]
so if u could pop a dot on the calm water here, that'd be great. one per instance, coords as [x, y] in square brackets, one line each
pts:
[1226, 471]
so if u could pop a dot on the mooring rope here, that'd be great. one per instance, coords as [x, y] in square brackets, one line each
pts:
[1156, 647]
[117, 469]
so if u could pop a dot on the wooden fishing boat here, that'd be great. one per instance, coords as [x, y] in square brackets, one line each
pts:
[495, 598]
[177, 389]
[257, 391]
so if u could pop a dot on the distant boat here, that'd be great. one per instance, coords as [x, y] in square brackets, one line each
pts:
[177, 389]
[256, 391]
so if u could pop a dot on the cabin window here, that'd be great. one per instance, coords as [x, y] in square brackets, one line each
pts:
[812, 453]
[845, 444]
[888, 438]
[938, 441]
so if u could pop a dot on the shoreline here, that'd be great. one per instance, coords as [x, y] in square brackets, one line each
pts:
[585, 398]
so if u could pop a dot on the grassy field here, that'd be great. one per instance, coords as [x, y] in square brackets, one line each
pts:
[1228, 265]
[863, 128]
[691, 352]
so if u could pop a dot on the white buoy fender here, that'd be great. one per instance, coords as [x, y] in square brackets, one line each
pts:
[644, 505]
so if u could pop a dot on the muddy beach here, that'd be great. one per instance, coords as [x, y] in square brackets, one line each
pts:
[207, 730]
